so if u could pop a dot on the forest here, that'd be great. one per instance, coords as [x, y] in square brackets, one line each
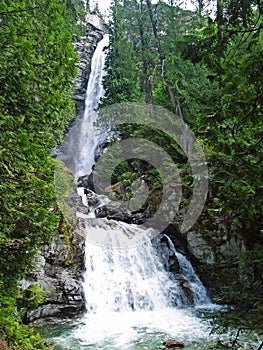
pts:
[205, 65]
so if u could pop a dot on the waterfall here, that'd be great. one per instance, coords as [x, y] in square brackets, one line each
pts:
[132, 301]
[129, 279]
[186, 270]
[135, 278]
[90, 137]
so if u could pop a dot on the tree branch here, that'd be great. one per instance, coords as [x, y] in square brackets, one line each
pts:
[237, 335]
[233, 31]
[18, 11]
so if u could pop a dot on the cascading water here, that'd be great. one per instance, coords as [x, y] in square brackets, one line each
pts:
[186, 269]
[123, 279]
[90, 137]
[135, 278]
[125, 285]
[128, 280]
[132, 302]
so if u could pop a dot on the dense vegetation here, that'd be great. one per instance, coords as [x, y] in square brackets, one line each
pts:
[36, 71]
[207, 67]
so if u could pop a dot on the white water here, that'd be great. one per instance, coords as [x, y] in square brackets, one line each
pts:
[135, 278]
[90, 137]
[128, 280]
[187, 271]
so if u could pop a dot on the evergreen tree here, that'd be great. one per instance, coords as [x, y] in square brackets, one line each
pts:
[36, 72]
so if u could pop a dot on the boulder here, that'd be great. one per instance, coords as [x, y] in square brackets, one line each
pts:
[186, 288]
[119, 212]
[170, 344]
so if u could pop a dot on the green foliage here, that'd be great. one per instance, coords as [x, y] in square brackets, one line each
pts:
[16, 335]
[64, 183]
[32, 297]
[134, 71]
[232, 47]
[36, 72]
[191, 83]
[234, 133]
[244, 296]
[122, 80]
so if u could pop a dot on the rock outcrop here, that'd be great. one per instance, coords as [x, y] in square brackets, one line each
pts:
[58, 273]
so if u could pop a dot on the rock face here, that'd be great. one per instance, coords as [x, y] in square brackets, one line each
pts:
[85, 47]
[59, 265]
[199, 248]
[58, 272]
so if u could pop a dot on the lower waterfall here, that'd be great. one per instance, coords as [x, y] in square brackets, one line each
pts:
[131, 300]
[135, 278]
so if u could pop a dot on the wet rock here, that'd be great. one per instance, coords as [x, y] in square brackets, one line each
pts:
[92, 198]
[186, 288]
[110, 210]
[115, 210]
[170, 344]
[51, 313]
[167, 255]
[188, 292]
[86, 181]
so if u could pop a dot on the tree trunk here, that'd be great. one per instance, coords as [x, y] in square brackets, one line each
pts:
[174, 99]
[220, 25]
[146, 78]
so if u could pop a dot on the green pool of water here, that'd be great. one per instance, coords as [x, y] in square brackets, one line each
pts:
[145, 330]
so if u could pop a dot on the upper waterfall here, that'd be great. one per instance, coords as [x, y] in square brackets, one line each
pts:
[89, 136]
